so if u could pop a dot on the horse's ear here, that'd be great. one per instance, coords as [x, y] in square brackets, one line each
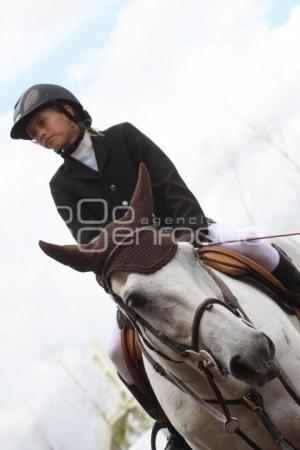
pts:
[81, 258]
[142, 199]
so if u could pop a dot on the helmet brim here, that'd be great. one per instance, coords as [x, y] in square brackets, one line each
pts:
[18, 130]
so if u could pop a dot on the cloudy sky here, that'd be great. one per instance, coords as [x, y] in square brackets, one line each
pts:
[215, 84]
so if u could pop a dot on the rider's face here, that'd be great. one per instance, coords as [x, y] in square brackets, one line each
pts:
[52, 129]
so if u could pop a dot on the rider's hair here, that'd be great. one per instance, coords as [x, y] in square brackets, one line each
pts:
[94, 132]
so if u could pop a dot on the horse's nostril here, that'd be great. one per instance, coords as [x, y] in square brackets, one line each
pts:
[271, 346]
[240, 368]
[254, 369]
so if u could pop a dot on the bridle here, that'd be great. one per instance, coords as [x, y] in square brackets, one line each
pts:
[203, 360]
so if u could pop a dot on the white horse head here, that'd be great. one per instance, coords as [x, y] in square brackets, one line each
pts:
[166, 293]
[170, 297]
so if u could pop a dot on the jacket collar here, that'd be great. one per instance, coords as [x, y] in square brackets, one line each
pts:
[101, 147]
[78, 170]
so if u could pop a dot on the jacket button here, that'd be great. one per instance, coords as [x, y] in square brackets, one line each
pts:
[113, 187]
[125, 203]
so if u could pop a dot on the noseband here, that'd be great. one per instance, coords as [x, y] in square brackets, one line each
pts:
[201, 358]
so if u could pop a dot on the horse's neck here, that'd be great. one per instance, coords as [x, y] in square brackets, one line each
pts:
[260, 306]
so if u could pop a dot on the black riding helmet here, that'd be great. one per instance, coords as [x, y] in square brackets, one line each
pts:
[39, 96]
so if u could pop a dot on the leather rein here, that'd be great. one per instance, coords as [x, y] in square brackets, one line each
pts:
[204, 361]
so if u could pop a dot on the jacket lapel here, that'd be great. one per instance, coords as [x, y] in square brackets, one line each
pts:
[101, 147]
[78, 170]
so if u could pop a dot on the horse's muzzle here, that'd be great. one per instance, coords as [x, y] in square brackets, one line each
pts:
[256, 365]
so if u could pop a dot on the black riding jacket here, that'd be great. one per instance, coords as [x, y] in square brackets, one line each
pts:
[87, 200]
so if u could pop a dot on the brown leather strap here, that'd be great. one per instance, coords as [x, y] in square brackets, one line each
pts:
[202, 308]
[134, 362]
[133, 359]
[297, 312]
[285, 382]
[235, 264]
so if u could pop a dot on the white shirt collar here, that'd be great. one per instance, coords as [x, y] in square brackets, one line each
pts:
[85, 152]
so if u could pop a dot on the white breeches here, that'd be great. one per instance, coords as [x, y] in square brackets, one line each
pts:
[260, 251]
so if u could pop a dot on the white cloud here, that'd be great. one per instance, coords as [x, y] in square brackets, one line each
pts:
[47, 328]
[29, 30]
[203, 80]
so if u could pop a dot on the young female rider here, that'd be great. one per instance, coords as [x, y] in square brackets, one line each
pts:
[95, 183]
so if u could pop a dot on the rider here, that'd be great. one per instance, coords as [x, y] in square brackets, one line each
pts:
[95, 183]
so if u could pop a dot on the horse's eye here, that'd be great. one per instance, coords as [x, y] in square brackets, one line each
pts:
[135, 301]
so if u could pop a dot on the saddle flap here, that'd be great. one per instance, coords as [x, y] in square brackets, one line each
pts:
[223, 262]
[233, 263]
[134, 361]
[236, 264]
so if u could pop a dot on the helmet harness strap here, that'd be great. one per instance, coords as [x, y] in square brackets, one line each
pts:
[82, 127]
